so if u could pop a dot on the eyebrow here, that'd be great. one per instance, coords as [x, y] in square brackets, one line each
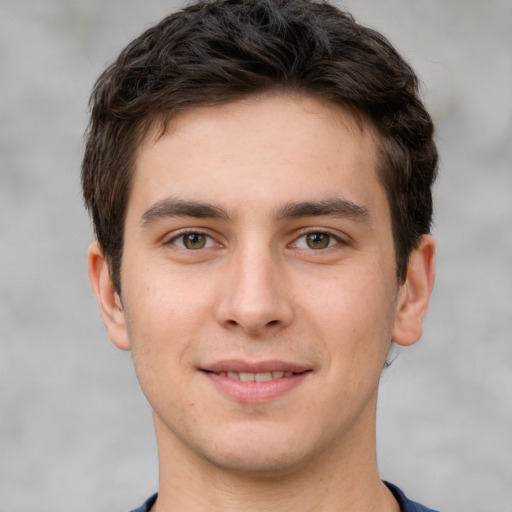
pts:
[182, 208]
[334, 207]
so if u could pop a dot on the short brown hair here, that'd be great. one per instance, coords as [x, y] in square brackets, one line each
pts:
[218, 51]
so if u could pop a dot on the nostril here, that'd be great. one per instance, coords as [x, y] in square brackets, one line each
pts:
[273, 322]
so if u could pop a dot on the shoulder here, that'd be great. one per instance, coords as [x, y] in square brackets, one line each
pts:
[146, 506]
[406, 505]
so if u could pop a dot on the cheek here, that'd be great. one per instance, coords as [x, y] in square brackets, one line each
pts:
[160, 328]
[164, 317]
[349, 293]
[162, 298]
[353, 314]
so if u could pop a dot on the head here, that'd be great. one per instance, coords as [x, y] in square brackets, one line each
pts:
[259, 177]
[218, 52]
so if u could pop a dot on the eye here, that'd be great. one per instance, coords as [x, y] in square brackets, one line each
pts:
[193, 241]
[316, 240]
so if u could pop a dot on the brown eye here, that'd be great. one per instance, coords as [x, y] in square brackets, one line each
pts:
[194, 241]
[318, 240]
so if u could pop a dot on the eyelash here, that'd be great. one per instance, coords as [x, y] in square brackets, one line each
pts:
[333, 240]
[210, 242]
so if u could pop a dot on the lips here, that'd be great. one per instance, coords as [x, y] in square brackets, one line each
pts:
[255, 377]
[255, 382]
[269, 366]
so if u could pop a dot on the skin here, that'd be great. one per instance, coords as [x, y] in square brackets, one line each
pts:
[236, 178]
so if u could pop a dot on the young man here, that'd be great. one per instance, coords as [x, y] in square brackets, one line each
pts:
[259, 176]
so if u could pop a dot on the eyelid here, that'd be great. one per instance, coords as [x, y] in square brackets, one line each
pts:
[171, 238]
[340, 240]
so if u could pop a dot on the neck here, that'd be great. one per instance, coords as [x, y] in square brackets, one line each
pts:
[343, 478]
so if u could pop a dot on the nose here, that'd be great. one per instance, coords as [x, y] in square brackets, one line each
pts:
[254, 297]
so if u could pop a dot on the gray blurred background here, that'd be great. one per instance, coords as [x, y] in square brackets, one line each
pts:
[75, 431]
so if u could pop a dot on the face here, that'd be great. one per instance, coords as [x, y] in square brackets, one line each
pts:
[259, 290]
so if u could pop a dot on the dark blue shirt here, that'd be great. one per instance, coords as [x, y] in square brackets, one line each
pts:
[405, 504]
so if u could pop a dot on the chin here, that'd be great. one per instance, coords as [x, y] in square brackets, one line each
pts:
[257, 463]
[259, 454]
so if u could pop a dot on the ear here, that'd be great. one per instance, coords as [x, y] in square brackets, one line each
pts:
[109, 302]
[414, 293]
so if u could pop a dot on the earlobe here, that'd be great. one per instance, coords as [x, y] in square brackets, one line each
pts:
[109, 302]
[414, 294]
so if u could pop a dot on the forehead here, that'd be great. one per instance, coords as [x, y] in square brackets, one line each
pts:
[283, 106]
[272, 148]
